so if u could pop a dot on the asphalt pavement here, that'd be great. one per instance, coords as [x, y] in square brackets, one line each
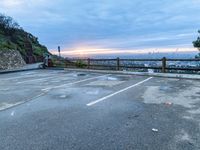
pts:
[70, 110]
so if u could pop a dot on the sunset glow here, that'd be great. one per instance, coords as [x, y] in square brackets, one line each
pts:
[84, 28]
[84, 52]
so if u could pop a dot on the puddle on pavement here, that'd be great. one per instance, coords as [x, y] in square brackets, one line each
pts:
[81, 74]
[164, 88]
[62, 96]
[115, 78]
[109, 81]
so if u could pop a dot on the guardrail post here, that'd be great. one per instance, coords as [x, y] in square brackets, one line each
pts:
[164, 64]
[118, 63]
[88, 63]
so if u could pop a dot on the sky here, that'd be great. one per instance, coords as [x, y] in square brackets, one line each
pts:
[92, 27]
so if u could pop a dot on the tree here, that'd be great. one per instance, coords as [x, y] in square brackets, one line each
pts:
[8, 25]
[197, 44]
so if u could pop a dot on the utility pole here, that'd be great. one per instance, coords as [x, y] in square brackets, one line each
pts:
[59, 51]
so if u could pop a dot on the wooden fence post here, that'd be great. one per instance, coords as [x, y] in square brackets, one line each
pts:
[88, 63]
[118, 63]
[164, 64]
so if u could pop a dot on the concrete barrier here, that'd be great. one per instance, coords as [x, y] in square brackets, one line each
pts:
[25, 68]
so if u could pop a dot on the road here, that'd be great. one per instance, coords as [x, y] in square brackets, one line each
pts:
[61, 110]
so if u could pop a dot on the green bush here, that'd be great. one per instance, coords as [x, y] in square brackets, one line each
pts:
[80, 64]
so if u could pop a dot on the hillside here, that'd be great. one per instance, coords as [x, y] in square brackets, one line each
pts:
[13, 37]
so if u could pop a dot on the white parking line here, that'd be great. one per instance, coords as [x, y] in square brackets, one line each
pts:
[5, 106]
[59, 86]
[8, 106]
[118, 92]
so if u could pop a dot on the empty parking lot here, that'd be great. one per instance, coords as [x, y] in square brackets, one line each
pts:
[60, 110]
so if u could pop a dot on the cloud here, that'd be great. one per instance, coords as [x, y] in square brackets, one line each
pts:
[11, 3]
[123, 24]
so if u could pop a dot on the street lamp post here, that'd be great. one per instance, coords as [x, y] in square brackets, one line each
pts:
[59, 51]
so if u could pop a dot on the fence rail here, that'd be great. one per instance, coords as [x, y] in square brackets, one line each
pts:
[118, 64]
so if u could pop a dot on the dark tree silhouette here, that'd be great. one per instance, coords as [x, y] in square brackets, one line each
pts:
[197, 44]
[8, 25]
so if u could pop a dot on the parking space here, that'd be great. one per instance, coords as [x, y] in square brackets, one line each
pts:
[22, 87]
[48, 109]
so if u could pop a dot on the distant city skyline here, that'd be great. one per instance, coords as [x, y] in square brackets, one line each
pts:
[90, 27]
[92, 52]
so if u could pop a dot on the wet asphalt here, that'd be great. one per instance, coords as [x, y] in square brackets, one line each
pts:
[54, 114]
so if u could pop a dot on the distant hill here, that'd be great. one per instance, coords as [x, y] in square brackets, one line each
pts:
[13, 37]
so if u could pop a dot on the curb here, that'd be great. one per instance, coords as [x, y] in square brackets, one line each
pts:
[20, 70]
[163, 75]
[54, 68]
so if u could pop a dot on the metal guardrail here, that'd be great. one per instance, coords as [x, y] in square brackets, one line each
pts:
[89, 63]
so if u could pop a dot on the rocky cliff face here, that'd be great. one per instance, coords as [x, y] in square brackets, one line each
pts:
[10, 59]
[12, 36]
